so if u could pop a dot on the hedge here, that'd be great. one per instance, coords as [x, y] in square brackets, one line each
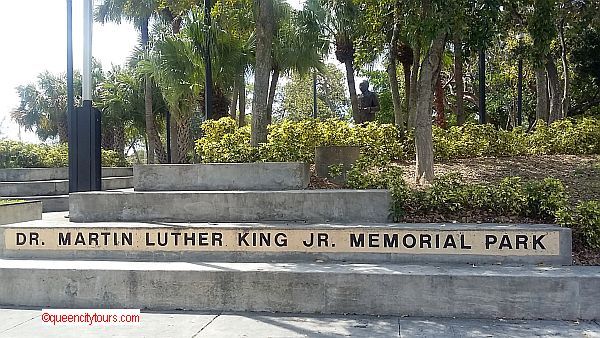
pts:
[26, 155]
[295, 141]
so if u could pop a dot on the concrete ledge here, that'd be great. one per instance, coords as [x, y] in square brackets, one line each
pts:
[56, 187]
[50, 203]
[401, 290]
[222, 176]
[556, 241]
[20, 212]
[48, 174]
[232, 206]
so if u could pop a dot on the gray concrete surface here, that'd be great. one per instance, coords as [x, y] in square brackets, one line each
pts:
[26, 323]
[48, 174]
[232, 206]
[20, 212]
[56, 187]
[565, 293]
[58, 220]
[222, 176]
[56, 203]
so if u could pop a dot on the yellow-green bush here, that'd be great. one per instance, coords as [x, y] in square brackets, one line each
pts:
[25, 155]
[382, 143]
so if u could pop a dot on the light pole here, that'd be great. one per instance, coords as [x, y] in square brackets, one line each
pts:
[70, 99]
[520, 37]
[85, 163]
[482, 112]
[208, 90]
[314, 85]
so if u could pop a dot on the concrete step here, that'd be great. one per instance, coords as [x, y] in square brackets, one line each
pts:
[222, 176]
[49, 203]
[566, 293]
[232, 206]
[48, 174]
[57, 187]
[289, 242]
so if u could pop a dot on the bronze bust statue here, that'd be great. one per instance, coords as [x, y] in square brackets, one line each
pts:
[369, 104]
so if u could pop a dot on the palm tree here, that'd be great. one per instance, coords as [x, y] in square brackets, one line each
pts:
[298, 46]
[338, 20]
[140, 12]
[177, 66]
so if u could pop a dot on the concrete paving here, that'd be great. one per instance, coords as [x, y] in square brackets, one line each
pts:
[25, 323]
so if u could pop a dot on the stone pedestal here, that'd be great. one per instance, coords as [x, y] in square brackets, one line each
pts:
[334, 162]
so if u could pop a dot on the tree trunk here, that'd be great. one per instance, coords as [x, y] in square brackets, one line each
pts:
[352, 89]
[412, 101]
[235, 94]
[407, 90]
[149, 114]
[262, 71]
[119, 140]
[242, 102]
[174, 142]
[541, 84]
[458, 76]
[555, 91]
[392, 70]
[440, 109]
[272, 90]
[566, 99]
[63, 129]
[428, 77]
[183, 140]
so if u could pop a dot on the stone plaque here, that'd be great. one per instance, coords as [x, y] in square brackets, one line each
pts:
[513, 242]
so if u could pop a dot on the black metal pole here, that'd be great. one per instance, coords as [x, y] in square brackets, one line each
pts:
[208, 85]
[315, 106]
[520, 94]
[482, 108]
[168, 117]
[71, 102]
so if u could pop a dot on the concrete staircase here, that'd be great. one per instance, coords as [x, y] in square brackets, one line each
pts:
[51, 185]
[282, 249]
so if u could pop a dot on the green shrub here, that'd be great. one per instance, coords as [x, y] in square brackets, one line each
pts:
[585, 222]
[24, 155]
[449, 196]
[296, 141]
[383, 143]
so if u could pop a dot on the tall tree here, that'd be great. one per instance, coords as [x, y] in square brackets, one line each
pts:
[262, 71]
[140, 12]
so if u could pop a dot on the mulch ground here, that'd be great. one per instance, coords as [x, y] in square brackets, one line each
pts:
[580, 174]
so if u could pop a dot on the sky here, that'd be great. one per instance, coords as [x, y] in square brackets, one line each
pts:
[33, 35]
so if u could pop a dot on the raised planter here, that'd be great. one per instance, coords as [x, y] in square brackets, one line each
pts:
[20, 212]
[222, 177]
[334, 162]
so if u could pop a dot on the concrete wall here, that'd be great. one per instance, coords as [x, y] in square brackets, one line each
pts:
[238, 176]
[234, 206]
[20, 212]
[48, 174]
[56, 187]
[429, 291]
[156, 254]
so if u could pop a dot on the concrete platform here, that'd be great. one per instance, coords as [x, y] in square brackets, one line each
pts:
[567, 293]
[49, 203]
[222, 176]
[56, 187]
[45, 174]
[289, 242]
[232, 206]
[25, 323]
